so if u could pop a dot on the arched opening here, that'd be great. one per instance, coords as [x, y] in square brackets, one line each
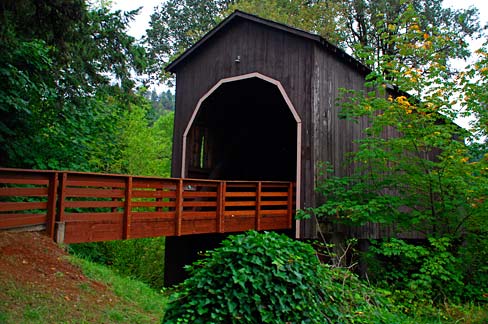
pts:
[245, 128]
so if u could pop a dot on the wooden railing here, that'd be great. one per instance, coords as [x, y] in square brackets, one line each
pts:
[86, 207]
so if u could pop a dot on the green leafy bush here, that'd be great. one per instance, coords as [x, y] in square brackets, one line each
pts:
[270, 278]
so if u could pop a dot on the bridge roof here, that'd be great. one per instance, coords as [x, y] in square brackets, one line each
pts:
[239, 15]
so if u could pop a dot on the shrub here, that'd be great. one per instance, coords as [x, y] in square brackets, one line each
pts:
[269, 278]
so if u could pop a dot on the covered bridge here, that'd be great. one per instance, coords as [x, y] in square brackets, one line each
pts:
[256, 100]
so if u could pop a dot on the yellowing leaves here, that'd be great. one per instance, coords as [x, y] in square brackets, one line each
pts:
[402, 100]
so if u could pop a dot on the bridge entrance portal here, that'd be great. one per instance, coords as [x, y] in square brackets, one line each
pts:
[245, 128]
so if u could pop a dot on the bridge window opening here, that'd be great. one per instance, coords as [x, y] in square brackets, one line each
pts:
[243, 131]
[202, 152]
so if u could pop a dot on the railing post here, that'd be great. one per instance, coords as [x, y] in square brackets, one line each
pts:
[127, 209]
[179, 207]
[290, 204]
[222, 187]
[60, 221]
[258, 206]
[51, 204]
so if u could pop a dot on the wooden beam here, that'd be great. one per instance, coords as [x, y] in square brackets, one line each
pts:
[258, 205]
[221, 206]
[127, 209]
[179, 207]
[290, 204]
[51, 204]
[62, 196]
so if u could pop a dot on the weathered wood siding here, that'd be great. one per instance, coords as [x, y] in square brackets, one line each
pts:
[271, 52]
[331, 136]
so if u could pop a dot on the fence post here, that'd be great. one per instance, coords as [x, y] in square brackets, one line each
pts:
[51, 204]
[258, 206]
[179, 207]
[222, 187]
[127, 221]
[60, 221]
[290, 204]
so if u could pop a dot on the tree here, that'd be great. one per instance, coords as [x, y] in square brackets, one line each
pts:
[422, 179]
[175, 26]
[317, 16]
[59, 59]
[372, 23]
[145, 149]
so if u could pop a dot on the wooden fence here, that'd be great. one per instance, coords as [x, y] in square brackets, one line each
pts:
[86, 207]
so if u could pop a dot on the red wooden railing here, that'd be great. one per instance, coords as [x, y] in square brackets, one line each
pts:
[86, 207]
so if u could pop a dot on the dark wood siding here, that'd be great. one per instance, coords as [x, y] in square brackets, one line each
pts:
[333, 137]
[274, 53]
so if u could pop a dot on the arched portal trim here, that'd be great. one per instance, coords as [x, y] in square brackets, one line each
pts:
[290, 106]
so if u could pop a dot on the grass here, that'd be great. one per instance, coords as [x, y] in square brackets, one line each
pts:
[130, 290]
[124, 301]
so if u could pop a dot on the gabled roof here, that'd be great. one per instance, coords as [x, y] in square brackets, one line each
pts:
[298, 32]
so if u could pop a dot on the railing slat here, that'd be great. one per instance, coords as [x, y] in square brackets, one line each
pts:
[127, 208]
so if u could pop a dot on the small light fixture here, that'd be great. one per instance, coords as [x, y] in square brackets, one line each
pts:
[238, 59]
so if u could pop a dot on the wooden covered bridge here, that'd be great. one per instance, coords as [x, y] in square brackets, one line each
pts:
[256, 114]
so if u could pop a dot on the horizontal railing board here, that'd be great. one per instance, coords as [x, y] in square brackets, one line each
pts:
[153, 194]
[21, 220]
[94, 192]
[80, 217]
[93, 204]
[240, 194]
[17, 206]
[24, 192]
[153, 204]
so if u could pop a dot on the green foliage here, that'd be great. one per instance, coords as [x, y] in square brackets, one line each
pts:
[371, 24]
[145, 149]
[160, 103]
[413, 171]
[57, 59]
[270, 278]
[318, 17]
[141, 259]
[175, 26]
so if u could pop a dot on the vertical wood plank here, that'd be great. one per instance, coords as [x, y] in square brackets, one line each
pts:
[222, 187]
[258, 206]
[290, 204]
[51, 204]
[62, 196]
[179, 207]
[127, 209]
